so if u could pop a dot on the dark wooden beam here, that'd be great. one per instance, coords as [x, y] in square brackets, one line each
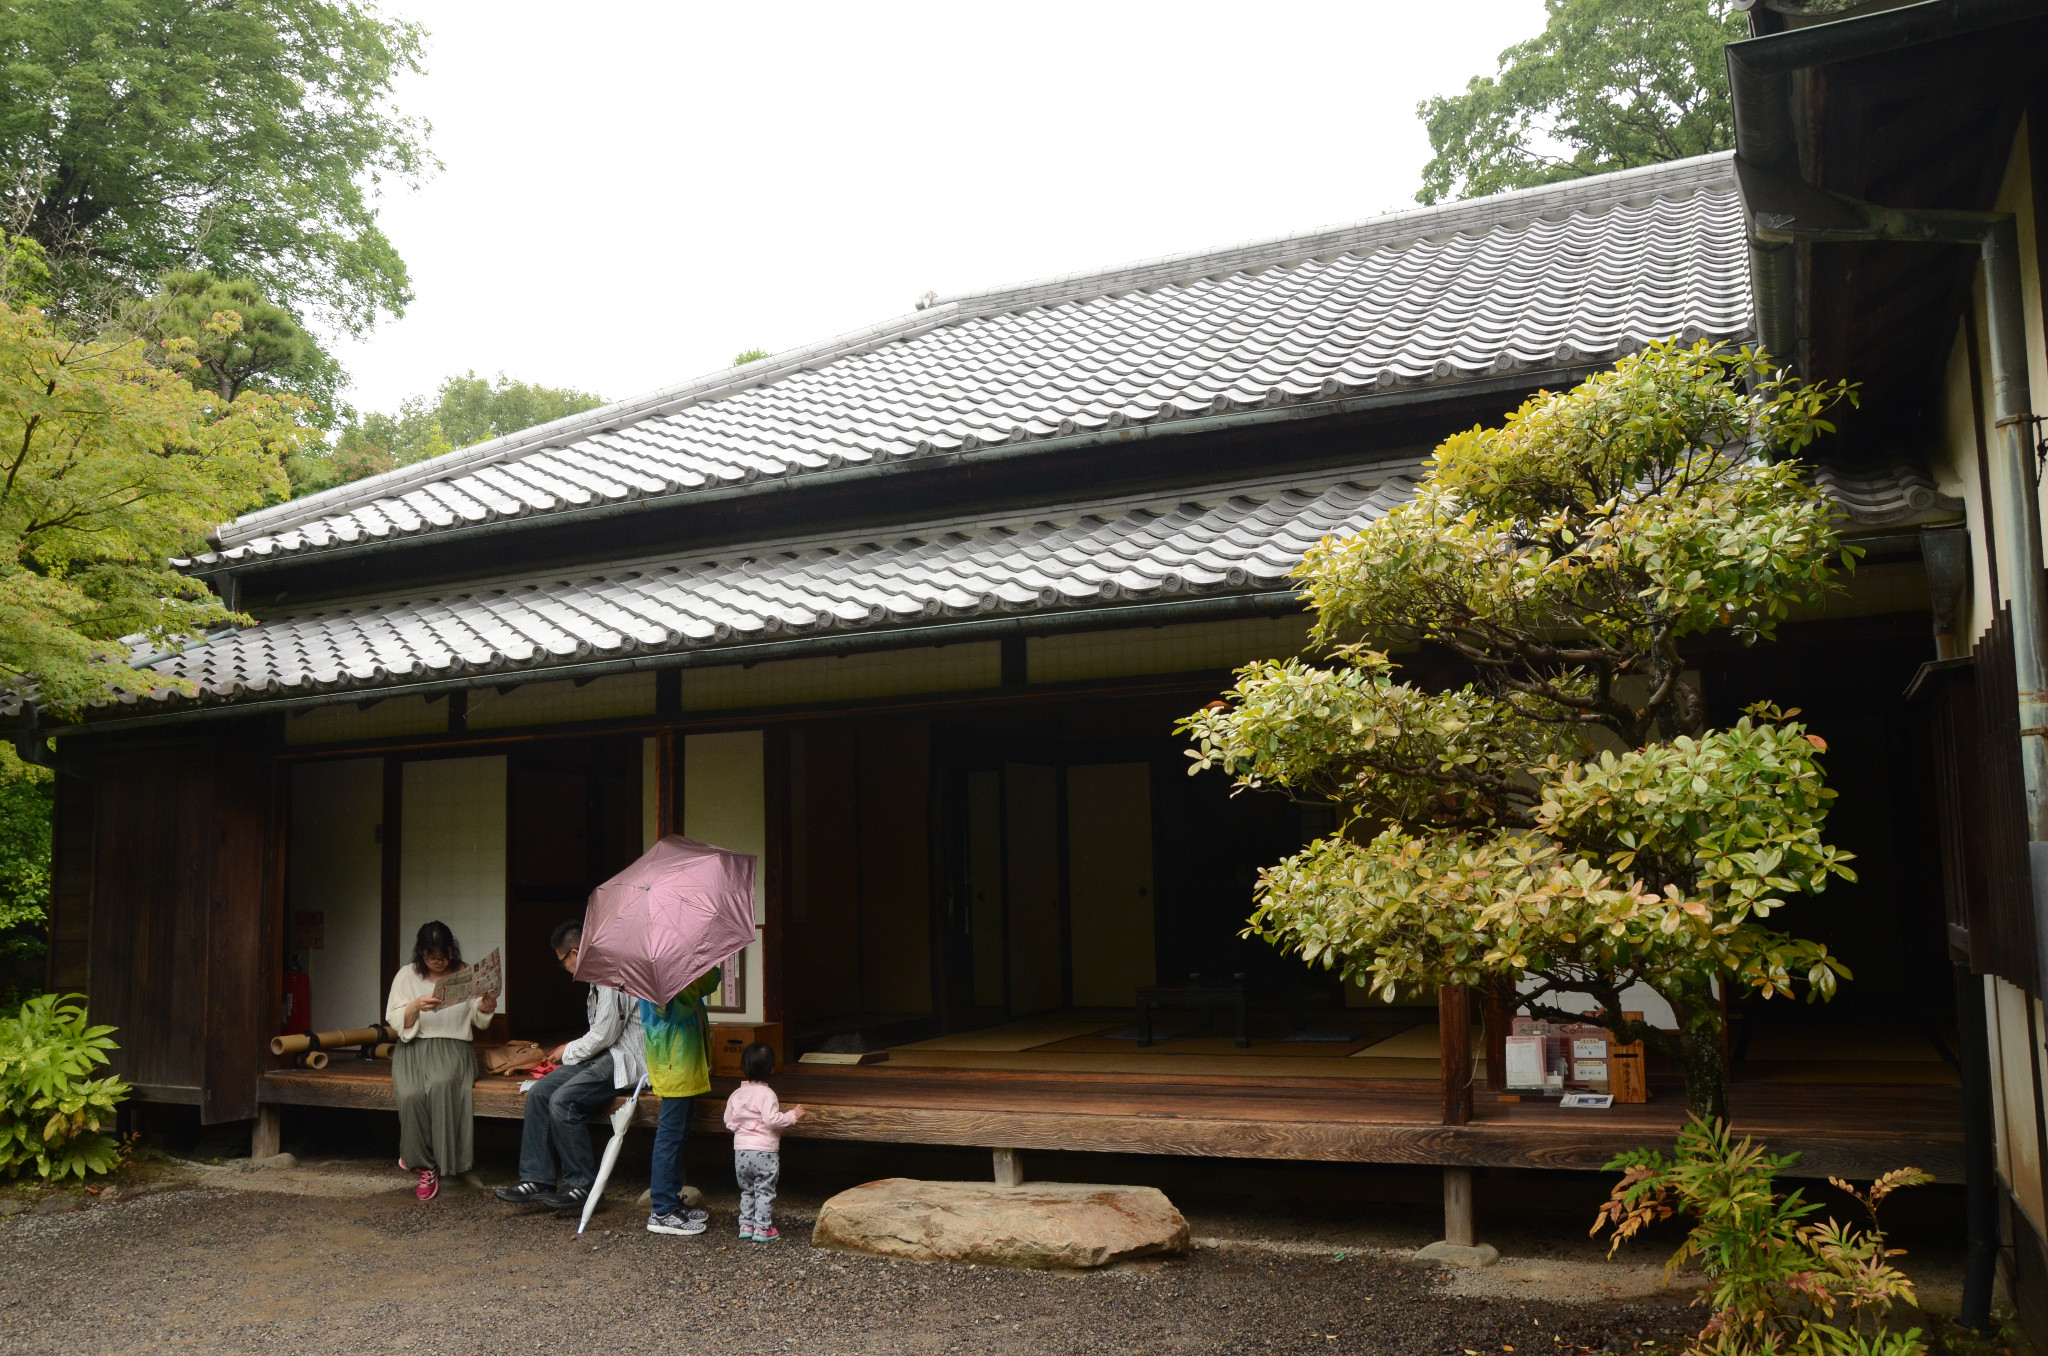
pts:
[775, 867]
[389, 833]
[1454, 1030]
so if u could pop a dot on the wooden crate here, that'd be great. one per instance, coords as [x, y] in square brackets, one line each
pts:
[730, 1039]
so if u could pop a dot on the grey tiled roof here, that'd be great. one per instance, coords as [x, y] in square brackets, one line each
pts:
[1532, 281]
[1227, 540]
[1233, 539]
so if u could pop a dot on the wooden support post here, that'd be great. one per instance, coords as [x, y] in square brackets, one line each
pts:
[1454, 1018]
[266, 1141]
[1496, 1012]
[1009, 1168]
[1459, 1230]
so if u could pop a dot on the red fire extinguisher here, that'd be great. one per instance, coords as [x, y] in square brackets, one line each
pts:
[298, 1002]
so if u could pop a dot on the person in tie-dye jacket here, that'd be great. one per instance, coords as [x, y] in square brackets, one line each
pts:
[678, 1070]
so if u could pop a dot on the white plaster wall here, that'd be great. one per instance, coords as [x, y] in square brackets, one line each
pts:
[724, 804]
[452, 855]
[334, 866]
[2019, 1154]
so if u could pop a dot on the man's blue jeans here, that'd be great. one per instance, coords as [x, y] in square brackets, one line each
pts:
[556, 1135]
[671, 1133]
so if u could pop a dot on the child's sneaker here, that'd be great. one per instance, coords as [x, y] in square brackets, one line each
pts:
[430, 1185]
[674, 1224]
[746, 1233]
[767, 1235]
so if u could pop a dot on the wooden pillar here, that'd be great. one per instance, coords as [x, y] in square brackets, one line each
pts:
[1454, 1019]
[668, 811]
[391, 945]
[267, 1139]
[775, 866]
[1459, 1230]
[1009, 1168]
[1496, 1012]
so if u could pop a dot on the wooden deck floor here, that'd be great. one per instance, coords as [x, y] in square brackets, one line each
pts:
[1843, 1129]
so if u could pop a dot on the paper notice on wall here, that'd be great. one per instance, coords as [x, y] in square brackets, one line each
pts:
[485, 979]
[1524, 1059]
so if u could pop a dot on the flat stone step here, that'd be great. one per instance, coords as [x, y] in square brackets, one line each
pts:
[1043, 1225]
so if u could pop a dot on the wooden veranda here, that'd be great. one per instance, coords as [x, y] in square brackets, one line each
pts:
[1855, 1131]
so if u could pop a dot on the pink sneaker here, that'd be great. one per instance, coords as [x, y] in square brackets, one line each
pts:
[430, 1184]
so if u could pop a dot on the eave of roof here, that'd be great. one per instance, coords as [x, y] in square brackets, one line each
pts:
[1224, 550]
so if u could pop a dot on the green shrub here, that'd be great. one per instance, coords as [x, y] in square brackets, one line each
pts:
[1779, 1285]
[51, 1113]
[25, 803]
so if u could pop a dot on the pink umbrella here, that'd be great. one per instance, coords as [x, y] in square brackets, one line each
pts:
[662, 923]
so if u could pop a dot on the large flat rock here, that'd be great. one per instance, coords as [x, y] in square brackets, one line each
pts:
[1050, 1225]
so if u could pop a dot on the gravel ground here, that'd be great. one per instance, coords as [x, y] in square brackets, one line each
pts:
[355, 1266]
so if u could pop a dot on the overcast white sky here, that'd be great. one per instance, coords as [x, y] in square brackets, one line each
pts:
[634, 192]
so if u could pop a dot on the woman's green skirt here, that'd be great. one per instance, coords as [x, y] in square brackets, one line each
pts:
[434, 1078]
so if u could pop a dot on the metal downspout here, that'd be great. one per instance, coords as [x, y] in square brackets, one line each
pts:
[2004, 305]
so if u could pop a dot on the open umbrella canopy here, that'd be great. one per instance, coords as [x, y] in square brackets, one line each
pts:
[662, 923]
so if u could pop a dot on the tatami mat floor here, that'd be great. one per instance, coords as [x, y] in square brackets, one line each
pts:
[1368, 1044]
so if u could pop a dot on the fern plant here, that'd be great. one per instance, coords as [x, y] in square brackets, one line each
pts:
[53, 1113]
[1781, 1284]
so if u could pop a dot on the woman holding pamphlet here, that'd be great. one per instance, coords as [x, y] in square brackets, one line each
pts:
[437, 1009]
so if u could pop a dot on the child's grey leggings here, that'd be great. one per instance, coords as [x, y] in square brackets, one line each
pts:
[757, 1170]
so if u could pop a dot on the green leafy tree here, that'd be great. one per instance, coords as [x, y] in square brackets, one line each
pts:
[111, 464]
[465, 410]
[1608, 85]
[1779, 1283]
[144, 137]
[1565, 822]
[264, 349]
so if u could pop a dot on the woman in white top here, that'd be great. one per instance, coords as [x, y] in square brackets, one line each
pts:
[433, 1070]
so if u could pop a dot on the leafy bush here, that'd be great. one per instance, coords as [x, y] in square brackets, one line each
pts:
[24, 881]
[1779, 1284]
[51, 1112]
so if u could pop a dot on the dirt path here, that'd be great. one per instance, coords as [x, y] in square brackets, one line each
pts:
[363, 1268]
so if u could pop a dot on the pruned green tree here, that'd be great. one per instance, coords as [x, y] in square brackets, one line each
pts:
[264, 349]
[463, 411]
[1566, 821]
[1607, 85]
[144, 137]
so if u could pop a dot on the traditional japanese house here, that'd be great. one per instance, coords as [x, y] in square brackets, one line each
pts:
[910, 613]
[1894, 162]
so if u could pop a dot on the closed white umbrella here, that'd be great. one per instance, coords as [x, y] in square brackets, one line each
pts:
[621, 1118]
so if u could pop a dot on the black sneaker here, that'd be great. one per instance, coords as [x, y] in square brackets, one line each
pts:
[570, 1199]
[525, 1193]
[675, 1224]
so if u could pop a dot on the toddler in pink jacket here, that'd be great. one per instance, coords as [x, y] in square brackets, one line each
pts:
[757, 1121]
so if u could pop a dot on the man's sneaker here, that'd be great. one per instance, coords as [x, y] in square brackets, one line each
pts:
[767, 1235]
[675, 1224]
[525, 1193]
[571, 1198]
[430, 1185]
[695, 1216]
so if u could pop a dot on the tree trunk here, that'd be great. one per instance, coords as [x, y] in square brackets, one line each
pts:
[1699, 1060]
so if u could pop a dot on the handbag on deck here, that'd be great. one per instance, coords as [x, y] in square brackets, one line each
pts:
[511, 1058]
